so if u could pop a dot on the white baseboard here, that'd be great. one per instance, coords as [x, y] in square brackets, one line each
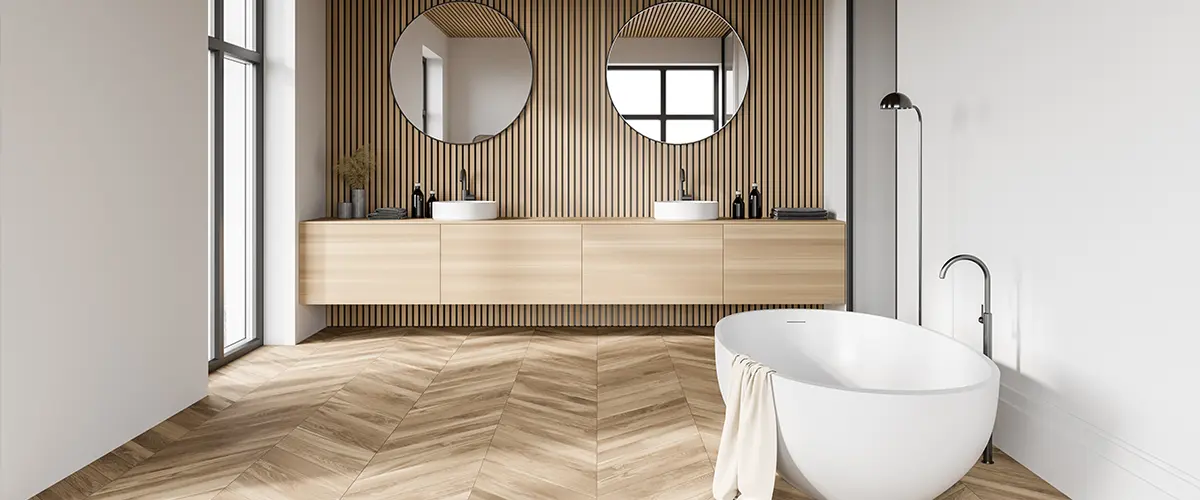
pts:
[1080, 460]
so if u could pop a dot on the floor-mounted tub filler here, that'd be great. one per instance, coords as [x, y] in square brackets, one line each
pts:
[868, 408]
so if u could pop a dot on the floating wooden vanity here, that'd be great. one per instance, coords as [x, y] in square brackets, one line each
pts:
[572, 261]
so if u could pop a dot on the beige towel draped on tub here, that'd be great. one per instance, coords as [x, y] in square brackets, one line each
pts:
[746, 458]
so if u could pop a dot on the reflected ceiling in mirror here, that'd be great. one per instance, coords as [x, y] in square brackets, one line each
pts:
[461, 72]
[677, 72]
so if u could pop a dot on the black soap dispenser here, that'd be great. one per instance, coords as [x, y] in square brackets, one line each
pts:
[756, 202]
[429, 203]
[739, 207]
[418, 203]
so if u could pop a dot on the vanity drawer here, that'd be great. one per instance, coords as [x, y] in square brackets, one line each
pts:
[512, 264]
[368, 263]
[652, 264]
[785, 264]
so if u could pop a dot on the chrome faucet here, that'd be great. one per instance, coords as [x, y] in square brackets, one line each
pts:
[462, 181]
[985, 318]
[683, 194]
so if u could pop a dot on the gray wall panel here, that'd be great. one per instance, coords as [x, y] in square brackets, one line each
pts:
[873, 162]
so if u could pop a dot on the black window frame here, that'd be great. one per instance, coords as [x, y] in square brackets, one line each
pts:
[726, 68]
[424, 92]
[663, 117]
[218, 50]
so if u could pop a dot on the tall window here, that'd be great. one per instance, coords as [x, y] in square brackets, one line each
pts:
[675, 104]
[235, 162]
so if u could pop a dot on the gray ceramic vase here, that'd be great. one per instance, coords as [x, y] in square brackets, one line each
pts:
[345, 210]
[358, 197]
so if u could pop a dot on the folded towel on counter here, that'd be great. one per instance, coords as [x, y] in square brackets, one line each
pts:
[799, 213]
[798, 217]
[799, 210]
[746, 456]
[388, 213]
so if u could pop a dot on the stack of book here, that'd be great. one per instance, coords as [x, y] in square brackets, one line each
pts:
[388, 213]
[800, 213]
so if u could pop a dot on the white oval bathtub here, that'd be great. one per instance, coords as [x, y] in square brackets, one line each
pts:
[867, 407]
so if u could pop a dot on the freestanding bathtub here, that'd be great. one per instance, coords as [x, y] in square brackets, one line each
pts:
[868, 408]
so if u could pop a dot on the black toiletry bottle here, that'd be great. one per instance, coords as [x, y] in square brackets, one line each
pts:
[739, 208]
[756, 202]
[418, 203]
[429, 203]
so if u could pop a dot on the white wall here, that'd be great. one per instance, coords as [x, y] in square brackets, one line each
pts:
[406, 65]
[103, 228]
[665, 51]
[741, 72]
[738, 66]
[836, 111]
[312, 164]
[435, 121]
[1061, 149]
[295, 161]
[490, 79]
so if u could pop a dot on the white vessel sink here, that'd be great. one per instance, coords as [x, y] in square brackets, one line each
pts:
[685, 210]
[465, 210]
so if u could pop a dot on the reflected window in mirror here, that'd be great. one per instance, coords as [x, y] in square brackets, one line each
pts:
[677, 72]
[667, 104]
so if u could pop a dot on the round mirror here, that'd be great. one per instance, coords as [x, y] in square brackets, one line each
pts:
[677, 72]
[461, 72]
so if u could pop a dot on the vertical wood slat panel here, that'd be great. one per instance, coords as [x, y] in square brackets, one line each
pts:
[569, 154]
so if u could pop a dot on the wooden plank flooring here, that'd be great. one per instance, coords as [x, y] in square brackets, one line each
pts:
[466, 413]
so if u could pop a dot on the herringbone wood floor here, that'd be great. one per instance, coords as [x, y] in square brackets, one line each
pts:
[558, 414]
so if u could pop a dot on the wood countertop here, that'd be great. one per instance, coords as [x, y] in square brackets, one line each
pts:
[569, 220]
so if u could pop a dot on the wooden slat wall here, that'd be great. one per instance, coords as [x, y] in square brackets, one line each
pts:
[675, 19]
[522, 315]
[569, 154]
[471, 20]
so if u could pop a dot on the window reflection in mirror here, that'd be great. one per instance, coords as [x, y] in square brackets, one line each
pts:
[461, 72]
[677, 72]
